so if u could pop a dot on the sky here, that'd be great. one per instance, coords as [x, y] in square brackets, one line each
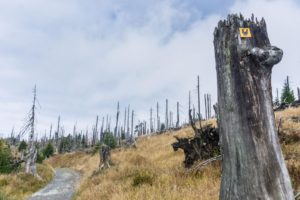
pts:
[85, 56]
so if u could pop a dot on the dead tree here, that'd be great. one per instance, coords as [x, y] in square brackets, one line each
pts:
[95, 132]
[57, 134]
[198, 92]
[177, 121]
[105, 160]
[157, 118]
[102, 130]
[167, 116]
[31, 156]
[125, 121]
[132, 117]
[117, 121]
[298, 91]
[189, 107]
[128, 118]
[151, 121]
[253, 164]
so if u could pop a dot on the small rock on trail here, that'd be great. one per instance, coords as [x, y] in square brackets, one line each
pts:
[62, 186]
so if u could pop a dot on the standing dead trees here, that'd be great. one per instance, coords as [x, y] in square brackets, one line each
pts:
[105, 159]
[253, 164]
[31, 156]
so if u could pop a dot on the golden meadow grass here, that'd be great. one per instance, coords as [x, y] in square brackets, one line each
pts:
[19, 185]
[152, 171]
[155, 171]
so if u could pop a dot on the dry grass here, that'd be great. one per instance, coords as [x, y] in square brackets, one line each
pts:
[20, 185]
[155, 171]
[152, 171]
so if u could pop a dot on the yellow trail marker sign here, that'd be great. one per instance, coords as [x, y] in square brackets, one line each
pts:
[245, 33]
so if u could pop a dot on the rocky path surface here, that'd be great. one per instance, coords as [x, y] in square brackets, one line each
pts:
[62, 186]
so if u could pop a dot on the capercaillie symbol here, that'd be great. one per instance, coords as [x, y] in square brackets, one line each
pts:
[245, 33]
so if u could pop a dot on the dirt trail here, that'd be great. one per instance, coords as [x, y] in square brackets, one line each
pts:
[61, 188]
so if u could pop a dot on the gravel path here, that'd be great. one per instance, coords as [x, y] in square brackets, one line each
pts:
[62, 186]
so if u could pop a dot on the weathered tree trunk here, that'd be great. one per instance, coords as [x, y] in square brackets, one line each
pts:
[105, 159]
[117, 121]
[253, 164]
[132, 117]
[167, 116]
[298, 91]
[198, 92]
[177, 118]
[157, 117]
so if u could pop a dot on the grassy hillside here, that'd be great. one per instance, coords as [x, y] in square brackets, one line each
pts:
[155, 171]
[18, 186]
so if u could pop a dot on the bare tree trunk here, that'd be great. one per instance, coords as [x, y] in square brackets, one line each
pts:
[190, 119]
[125, 121]
[198, 91]
[177, 121]
[57, 134]
[128, 120]
[132, 117]
[30, 165]
[167, 116]
[102, 130]
[117, 121]
[151, 121]
[253, 164]
[298, 91]
[157, 117]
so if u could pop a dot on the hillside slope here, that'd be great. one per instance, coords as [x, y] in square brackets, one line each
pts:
[155, 171]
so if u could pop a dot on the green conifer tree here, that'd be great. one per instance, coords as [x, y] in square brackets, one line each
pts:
[287, 95]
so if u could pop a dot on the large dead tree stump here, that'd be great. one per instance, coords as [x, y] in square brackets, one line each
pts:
[105, 159]
[253, 164]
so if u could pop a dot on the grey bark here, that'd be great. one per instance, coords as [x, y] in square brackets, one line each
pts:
[198, 92]
[117, 121]
[30, 159]
[177, 121]
[132, 117]
[189, 107]
[298, 91]
[128, 118]
[157, 117]
[167, 116]
[253, 164]
[57, 134]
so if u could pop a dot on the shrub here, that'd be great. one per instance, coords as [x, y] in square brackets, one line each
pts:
[96, 148]
[49, 150]
[40, 157]
[6, 159]
[110, 140]
[142, 178]
[22, 146]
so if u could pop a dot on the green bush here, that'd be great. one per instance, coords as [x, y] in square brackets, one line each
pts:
[287, 95]
[96, 148]
[6, 159]
[110, 140]
[40, 157]
[22, 146]
[142, 178]
[49, 150]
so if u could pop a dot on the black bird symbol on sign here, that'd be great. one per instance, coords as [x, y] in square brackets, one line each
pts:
[245, 31]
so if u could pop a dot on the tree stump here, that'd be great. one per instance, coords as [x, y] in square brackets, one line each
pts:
[253, 164]
[104, 157]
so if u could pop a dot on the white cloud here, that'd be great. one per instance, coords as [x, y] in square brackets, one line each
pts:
[84, 57]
